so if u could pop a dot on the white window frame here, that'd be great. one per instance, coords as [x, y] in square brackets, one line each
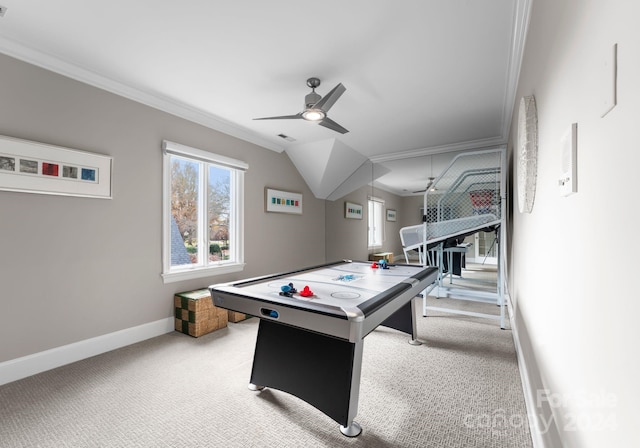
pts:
[236, 232]
[381, 223]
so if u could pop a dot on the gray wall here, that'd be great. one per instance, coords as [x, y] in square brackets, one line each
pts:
[347, 238]
[391, 241]
[75, 268]
[410, 215]
[573, 260]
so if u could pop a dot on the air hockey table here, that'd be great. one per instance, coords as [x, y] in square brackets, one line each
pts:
[311, 347]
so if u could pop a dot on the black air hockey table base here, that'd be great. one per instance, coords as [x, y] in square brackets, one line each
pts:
[314, 367]
[312, 349]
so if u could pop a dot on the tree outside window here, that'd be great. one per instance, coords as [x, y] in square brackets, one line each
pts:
[187, 212]
[203, 213]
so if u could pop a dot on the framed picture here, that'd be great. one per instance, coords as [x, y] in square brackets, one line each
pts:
[32, 167]
[352, 210]
[391, 215]
[278, 201]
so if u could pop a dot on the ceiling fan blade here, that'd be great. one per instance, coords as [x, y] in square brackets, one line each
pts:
[425, 188]
[329, 123]
[282, 117]
[330, 98]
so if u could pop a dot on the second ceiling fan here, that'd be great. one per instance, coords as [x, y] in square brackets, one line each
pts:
[316, 107]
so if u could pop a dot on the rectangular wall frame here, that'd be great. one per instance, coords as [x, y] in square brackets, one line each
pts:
[32, 167]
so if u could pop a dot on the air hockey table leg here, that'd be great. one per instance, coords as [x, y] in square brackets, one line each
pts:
[404, 320]
[322, 370]
[353, 430]
[414, 330]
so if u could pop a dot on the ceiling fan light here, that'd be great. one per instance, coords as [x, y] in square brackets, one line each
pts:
[313, 114]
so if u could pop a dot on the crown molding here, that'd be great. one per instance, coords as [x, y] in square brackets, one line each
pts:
[486, 143]
[154, 100]
[522, 14]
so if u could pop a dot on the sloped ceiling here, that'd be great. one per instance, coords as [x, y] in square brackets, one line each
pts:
[325, 164]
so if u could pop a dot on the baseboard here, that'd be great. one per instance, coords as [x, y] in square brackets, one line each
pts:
[524, 378]
[542, 427]
[490, 262]
[16, 369]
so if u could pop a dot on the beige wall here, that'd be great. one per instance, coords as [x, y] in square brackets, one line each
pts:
[411, 206]
[347, 238]
[391, 241]
[76, 268]
[573, 260]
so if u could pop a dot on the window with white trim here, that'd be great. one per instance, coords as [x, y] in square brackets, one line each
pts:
[376, 222]
[202, 213]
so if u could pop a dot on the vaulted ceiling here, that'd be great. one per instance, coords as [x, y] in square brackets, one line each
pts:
[422, 77]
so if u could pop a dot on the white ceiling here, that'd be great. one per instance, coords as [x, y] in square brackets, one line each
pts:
[422, 76]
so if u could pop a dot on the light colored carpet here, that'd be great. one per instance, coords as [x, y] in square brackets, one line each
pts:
[461, 388]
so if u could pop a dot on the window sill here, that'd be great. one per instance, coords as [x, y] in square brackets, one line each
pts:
[190, 274]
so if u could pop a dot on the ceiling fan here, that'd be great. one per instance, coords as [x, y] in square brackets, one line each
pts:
[316, 107]
[428, 187]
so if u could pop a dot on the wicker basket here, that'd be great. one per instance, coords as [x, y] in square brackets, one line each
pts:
[195, 314]
[234, 316]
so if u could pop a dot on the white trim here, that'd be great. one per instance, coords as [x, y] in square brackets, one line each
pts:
[16, 369]
[178, 149]
[492, 261]
[138, 94]
[190, 274]
[522, 16]
[166, 211]
[371, 216]
[236, 231]
[487, 143]
[529, 399]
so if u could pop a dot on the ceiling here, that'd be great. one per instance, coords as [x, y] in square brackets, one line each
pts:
[422, 77]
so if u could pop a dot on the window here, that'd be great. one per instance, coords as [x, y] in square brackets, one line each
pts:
[376, 222]
[202, 213]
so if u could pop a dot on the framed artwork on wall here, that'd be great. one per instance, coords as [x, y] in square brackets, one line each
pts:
[391, 215]
[353, 210]
[32, 167]
[279, 201]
